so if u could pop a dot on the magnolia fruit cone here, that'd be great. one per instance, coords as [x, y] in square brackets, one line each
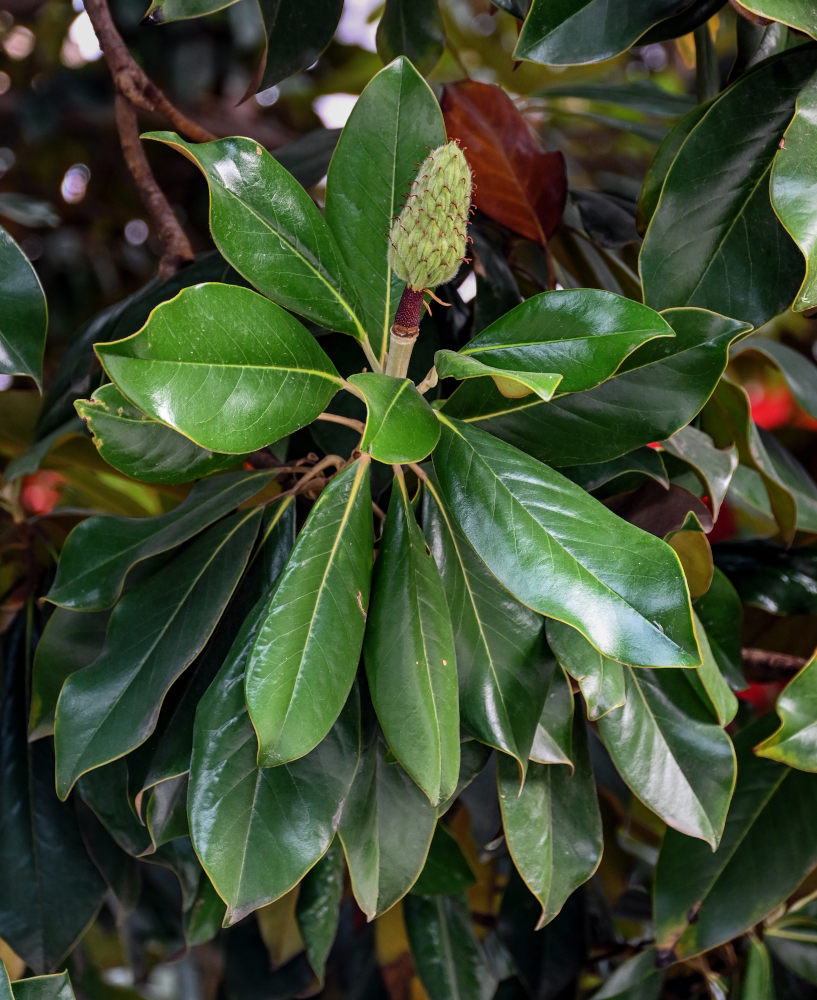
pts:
[428, 237]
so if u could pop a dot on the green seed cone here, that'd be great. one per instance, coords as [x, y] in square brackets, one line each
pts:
[428, 237]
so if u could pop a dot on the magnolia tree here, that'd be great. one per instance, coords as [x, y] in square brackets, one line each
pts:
[417, 674]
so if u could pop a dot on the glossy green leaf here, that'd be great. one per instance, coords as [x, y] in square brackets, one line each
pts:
[305, 656]
[446, 870]
[795, 13]
[242, 815]
[721, 614]
[636, 979]
[220, 383]
[5, 984]
[112, 705]
[793, 176]
[101, 551]
[143, 448]
[449, 959]
[70, 641]
[713, 466]
[583, 334]
[410, 655]
[161, 11]
[548, 542]
[56, 987]
[600, 679]
[23, 314]
[106, 790]
[570, 32]
[702, 899]
[656, 391]
[671, 753]
[714, 221]
[411, 29]
[553, 825]
[758, 981]
[553, 740]
[400, 426]
[393, 124]
[657, 171]
[728, 420]
[511, 384]
[271, 231]
[318, 907]
[166, 811]
[795, 741]
[709, 683]
[797, 368]
[385, 830]
[51, 890]
[297, 33]
[499, 642]
[782, 581]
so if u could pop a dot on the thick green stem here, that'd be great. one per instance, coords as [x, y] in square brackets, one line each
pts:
[400, 348]
[404, 332]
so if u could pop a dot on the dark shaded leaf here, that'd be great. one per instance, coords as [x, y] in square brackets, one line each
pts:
[413, 29]
[101, 551]
[552, 826]
[155, 631]
[50, 888]
[297, 33]
[446, 870]
[778, 580]
[70, 641]
[636, 979]
[702, 898]
[449, 959]
[385, 830]
[24, 316]
[318, 907]
[713, 219]
[582, 31]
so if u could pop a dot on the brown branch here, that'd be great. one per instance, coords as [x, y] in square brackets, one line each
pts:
[131, 80]
[177, 249]
[763, 666]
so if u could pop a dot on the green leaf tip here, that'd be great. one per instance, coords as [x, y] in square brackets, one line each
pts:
[428, 237]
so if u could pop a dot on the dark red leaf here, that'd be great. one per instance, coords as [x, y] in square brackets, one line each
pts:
[517, 183]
